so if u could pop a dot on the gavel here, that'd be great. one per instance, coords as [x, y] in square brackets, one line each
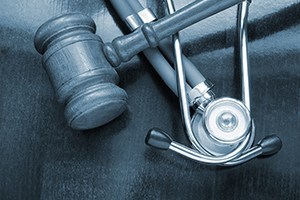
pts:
[80, 68]
[82, 78]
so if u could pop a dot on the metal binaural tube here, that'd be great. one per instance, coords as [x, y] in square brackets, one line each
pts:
[182, 93]
[243, 49]
[246, 156]
[267, 146]
[195, 155]
[180, 73]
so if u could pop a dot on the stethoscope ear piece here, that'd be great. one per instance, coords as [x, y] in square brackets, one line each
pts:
[270, 145]
[158, 138]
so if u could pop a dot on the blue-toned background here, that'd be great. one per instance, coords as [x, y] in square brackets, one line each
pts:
[42, 158]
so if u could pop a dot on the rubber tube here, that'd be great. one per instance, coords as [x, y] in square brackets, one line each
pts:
[135, 5]
[163, 68]
[193, 75]
[123, 8]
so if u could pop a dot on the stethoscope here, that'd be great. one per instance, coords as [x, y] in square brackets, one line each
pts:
[221, 130]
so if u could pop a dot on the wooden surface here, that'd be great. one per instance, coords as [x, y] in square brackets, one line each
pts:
[42, 158]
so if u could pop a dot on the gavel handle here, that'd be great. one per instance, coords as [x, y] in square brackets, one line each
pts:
[123, 48]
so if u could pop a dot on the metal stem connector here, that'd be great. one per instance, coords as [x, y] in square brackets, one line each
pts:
[243, 49]
[136, 20]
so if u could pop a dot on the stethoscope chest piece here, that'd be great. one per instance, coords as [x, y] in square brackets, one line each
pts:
[222, 126]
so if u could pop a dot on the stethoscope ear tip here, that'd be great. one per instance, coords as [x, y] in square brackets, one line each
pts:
[270, 145]
[158, 138]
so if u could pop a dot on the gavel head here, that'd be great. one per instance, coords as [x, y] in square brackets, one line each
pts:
[82, 78]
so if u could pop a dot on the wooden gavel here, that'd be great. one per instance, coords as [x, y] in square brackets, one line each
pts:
[79, 65]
